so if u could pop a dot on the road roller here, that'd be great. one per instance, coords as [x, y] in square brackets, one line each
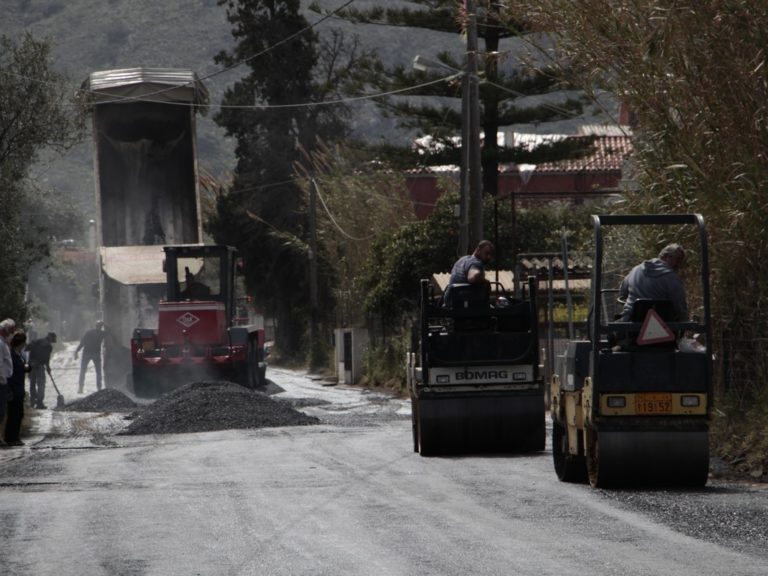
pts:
[473, 371]
[630, 404]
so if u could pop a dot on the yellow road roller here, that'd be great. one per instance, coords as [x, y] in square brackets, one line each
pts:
[630, 405]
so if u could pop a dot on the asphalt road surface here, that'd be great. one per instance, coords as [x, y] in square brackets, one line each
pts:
[348, 496]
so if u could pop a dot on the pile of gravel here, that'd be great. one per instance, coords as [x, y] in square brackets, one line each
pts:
[208, 406]
[105, 400]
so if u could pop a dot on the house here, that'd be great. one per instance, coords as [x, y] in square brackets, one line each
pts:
[595, 175]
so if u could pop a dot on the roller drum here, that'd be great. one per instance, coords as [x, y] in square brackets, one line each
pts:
[479, 424]
[648, 457]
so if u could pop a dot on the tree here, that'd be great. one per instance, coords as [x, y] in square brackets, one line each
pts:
[501, 91]
[696, 80]
[263, 214]
[358, 200]
[35, 113]
[696, 83]
[398, 260]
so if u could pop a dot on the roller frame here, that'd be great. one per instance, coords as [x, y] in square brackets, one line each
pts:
[567, 425]
[495, 415]
[660, 450]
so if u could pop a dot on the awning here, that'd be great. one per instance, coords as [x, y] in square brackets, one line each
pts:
[134, 265]
[506, 277]
[440, 280]
[131, 265]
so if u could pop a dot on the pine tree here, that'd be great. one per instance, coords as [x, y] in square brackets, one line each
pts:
[263, 212]
[499, 92]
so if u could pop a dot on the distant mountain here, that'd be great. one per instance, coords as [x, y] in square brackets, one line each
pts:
[89, 35]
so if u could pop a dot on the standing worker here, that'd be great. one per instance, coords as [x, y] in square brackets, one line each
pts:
[16, 389]
[7, 327]
[90, 344]
[40, 351]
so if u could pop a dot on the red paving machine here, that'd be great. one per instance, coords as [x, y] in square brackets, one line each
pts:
[201, 334]
[631, 403]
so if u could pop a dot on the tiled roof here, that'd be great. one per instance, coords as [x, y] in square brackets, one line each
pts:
[607, 154]
[578, 264]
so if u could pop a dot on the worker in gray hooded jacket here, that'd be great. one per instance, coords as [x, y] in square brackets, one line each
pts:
[656, 279]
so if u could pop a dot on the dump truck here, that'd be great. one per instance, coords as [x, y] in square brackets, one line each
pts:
[146, 183]
[163, 329]
[630, 405]
[473, 371]
[200, 335]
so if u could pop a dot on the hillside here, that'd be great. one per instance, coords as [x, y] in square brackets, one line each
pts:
[90, 35]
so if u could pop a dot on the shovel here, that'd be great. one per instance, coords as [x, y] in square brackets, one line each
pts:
[60, 397]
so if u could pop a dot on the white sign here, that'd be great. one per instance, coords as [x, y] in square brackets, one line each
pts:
[481, 375]
[654, 330]
[187, 320]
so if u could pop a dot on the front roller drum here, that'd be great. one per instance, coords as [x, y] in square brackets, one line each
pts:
[647, 458]
[478, 424]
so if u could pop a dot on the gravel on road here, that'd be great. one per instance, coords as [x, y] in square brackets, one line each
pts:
[730, 514]
[105, 400]
[214, 405]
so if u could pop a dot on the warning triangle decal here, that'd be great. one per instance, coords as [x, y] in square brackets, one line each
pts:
[654, 330]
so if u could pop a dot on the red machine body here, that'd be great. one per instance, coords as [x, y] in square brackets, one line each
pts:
[197, 323]
[199, 335]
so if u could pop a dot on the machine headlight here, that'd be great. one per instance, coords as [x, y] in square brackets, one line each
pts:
[617, 401]
[690, 401]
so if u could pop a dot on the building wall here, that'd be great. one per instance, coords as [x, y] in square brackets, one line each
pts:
[571, 187]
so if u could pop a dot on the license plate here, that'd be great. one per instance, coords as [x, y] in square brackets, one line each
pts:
[653, 403]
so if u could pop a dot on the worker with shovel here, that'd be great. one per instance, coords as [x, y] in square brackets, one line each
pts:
[90, 344]
[40, 351]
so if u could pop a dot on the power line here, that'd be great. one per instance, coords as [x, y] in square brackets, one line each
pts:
[280, 42]
[299, 179]
[240, 62]
[519, 94]
[333, 220]
[298, 104]
[217, 72]
[280, 106]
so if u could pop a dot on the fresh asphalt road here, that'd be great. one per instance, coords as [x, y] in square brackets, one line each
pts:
[345, 497]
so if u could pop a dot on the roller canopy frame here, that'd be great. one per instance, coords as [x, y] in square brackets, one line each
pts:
[525, 308]
[598, 331]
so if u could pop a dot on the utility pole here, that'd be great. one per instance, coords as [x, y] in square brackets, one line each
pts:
[475, 175]
[464, 203]
[469, 177]
[313, 328]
